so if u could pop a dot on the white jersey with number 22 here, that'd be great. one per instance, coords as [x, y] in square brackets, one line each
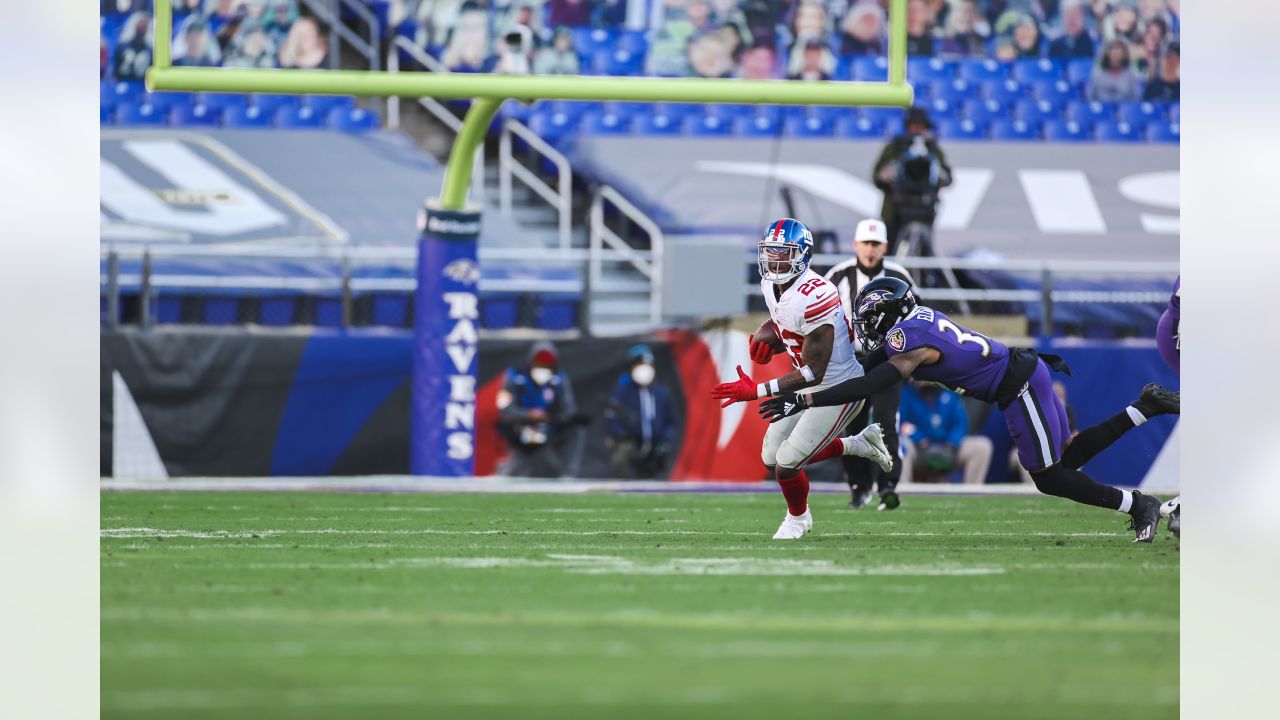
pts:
[808, 304]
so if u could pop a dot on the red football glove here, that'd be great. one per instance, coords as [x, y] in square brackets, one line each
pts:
[761, 352]
[742, 389]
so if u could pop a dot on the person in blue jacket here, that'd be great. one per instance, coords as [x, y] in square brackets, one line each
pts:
[538, 417]
[936, 424]
[638, 420]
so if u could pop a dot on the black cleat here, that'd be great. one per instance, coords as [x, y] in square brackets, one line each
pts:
[889, 500]
[1144, 517]
[1156, 400]
[1175, 522]
[860, 498]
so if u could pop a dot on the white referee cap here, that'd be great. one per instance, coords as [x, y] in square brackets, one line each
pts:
[871, 230]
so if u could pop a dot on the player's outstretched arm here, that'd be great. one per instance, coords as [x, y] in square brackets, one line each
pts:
[883, 377]
[816, 356]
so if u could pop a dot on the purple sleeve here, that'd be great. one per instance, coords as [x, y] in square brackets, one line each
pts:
[909, 335]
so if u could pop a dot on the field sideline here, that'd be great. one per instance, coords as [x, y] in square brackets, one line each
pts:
[587, 605]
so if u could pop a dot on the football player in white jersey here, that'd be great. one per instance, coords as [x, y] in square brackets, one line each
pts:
[809, 318]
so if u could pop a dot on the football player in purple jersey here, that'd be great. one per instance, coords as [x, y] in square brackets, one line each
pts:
[1169, 343]
[914, 341]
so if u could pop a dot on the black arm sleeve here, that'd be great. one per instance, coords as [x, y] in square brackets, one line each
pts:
[883, 377]
[874, 359]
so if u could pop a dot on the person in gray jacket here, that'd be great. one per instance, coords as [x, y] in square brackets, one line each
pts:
[1113, 79]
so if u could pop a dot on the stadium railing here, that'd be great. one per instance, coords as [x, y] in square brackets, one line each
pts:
[560, 197]
[648, 264]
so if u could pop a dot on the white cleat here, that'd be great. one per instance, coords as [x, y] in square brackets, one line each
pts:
[794, 527]
[1170, 506]
[869, 444]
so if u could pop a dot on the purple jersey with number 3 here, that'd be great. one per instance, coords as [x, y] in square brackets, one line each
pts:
[971, 363]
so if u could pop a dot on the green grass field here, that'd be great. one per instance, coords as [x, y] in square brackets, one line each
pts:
[234, 605]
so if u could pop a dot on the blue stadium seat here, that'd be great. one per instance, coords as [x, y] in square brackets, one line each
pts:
[986, 111]
[1079, 70]
[553, 126]
[1067, 131]
[981, 70]
[1140, 113]
[605, 123]
[589, 40]
[953, 129]
[1031, 70]
[1119, 132]
[1005, 91]
[881, 114]
[730, 111]
[1055, 91]
[246, 116]
[576, 109]
[354, 120]
[1175, 112]
[631, 109]
[328, 312]
[223, 101]
[220, 311]
[1014, 131]
[709, 125]
[954, 92]
[195, 116]
[104, 115]
[113, 94]
[499, 311]
[301, 118]
[633, 41]
[276, 311]
[169, 310]
[272, 104]
[920, 69]
[869, 69]
[515, 110]
[557, 311]
[1035, 111]
[758, 126]
[142, 114]
[325, 104]
[166, 101]
[1163, 132]
[860, 127]
[682, 110]
[939, 108]
[832, 113]
[616, 61]
[798, 126]
[391, 310]
[657, 124]
[1090, 112]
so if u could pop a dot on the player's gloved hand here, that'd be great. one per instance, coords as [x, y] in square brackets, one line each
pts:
[781, 406]
[744, 388]
[761, 352]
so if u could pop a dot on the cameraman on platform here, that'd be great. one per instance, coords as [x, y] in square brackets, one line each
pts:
[910, 171]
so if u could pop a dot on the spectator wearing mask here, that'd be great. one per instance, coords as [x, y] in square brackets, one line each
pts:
[304, 47]
[558, 58]
[935, 427]
[1075, 41]
[133, 54]
[816, 62]
[1113, 80]
[536, 414]
[910, 171]
[638, 420]
[862, 30]
[1165, 86]
[919, 29]
[967, 31]
[870, 241]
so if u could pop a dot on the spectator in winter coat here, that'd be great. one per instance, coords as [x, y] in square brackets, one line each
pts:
[133, 54]
[935, 429]
[536, 414]
[1075, 41]
[638, 420]
[1165, 86]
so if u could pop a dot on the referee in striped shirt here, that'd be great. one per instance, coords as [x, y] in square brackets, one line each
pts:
[870, 243]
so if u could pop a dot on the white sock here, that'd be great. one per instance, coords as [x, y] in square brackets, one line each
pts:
[1137, 417]
[1126, 498]
[847, 442]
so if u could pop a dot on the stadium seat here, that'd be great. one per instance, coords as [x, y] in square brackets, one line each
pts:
[246, 116]
[113, 94]
[1119, 132]
[633, 41]
[1067, 131]
[390, 310]
[220, 311]
[515, 110]
[709, 125]
[166, 101]
[276, 311]
[1175, 113]
[939, 108]
[681, 110]
[576, 109]
[1079, 70]
[328, 313]
[758, 126]
[831, 113]
[1163, 132]
[355, 119]
[881, 114]
[272, 104]
[954, 92]
[195, 116]
[860, 127]
[553, 126]
[981, 70]
[730, 111]
[605, 123]
[921, 69]
[631, 110]
[104, 115]
[557, 311]
[143, 114]
[615, 61]
[797, 126]
[1030, 70]
[985, 111]
[168, 310]
[953, 129]
[301, 118]
[657, 124]
[1035, 111]
[1014, 131]
[869, 69]
[222, 101]
[1140, 113]
[589, 40]
[325, 104]
[1003, 91]
[1054, 91]
[1090, 112]
[499, 311]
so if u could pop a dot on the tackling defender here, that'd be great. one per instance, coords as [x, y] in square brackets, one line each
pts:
[1169, 343]
[911, 340]
[806, 311]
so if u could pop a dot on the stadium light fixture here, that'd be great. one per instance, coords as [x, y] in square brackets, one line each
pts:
[490, 90]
